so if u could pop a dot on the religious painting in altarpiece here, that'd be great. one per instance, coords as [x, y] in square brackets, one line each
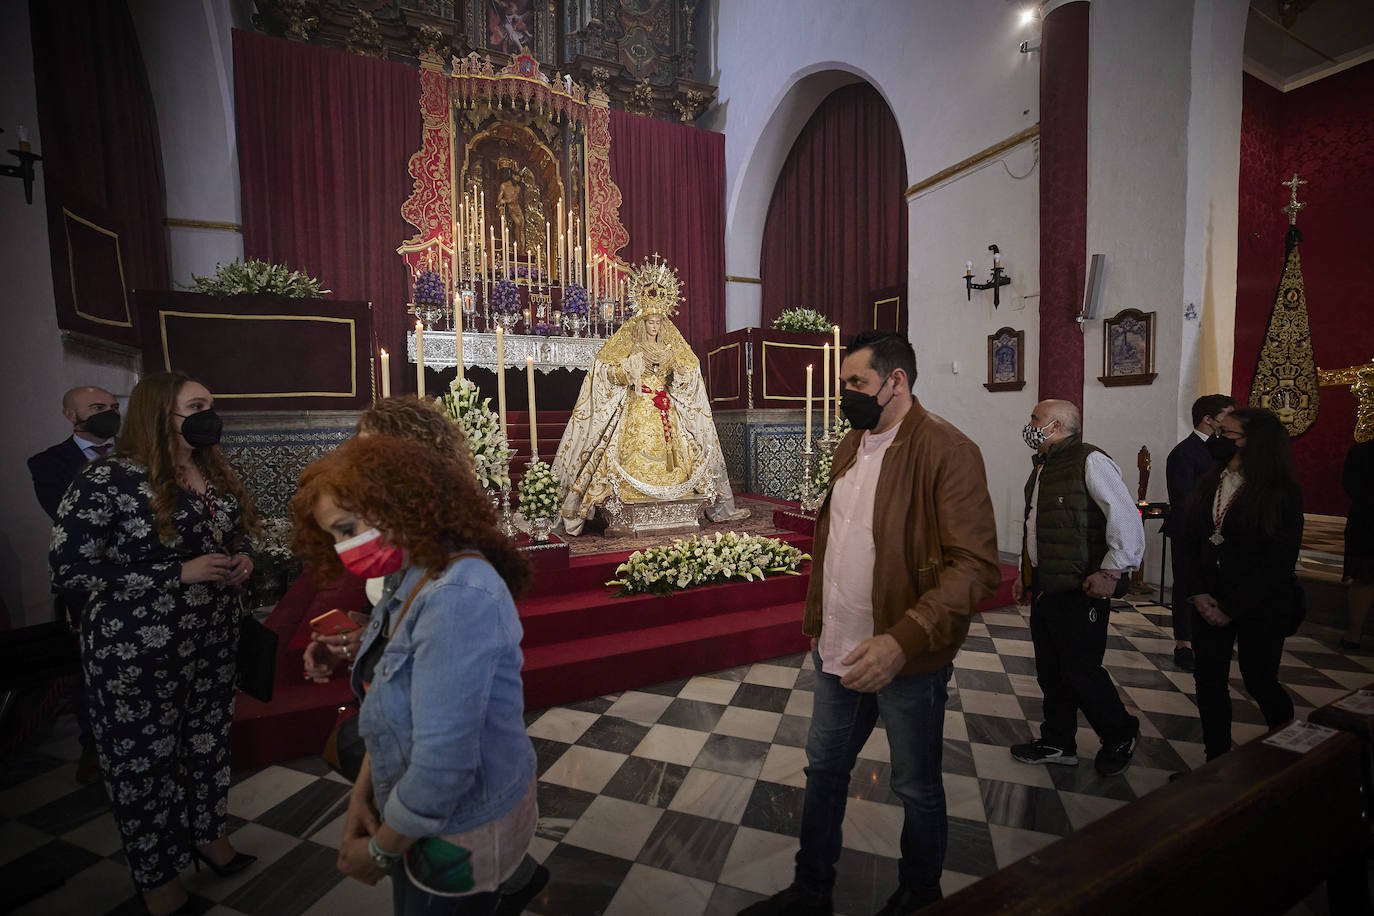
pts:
[1286, 374]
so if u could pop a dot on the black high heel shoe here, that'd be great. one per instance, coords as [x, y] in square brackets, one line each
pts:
[238, 863]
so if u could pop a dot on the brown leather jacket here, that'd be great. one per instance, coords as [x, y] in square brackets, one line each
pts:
[936, 539]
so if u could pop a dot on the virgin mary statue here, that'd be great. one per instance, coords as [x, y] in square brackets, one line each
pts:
[642, 428]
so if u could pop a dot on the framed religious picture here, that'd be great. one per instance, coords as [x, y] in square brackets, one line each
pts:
[1128, 349]
[1006, 360]
[510, 26]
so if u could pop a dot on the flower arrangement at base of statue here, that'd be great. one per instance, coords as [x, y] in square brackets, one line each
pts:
[430, 297]
[275, 567]
[574, 308]
[706, 561]
[540, 499]
[802, 321]
[491, 454]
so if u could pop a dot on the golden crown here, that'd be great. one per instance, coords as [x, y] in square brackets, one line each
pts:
[504, 163]
[655, 288]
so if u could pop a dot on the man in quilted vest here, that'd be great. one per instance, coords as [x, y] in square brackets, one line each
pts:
[1082, 535]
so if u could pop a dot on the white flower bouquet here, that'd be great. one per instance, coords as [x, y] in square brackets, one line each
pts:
[803, 321]
[706, 561]
[491, 453]
[540, 493]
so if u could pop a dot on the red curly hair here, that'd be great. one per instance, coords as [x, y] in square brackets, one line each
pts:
[425, 502]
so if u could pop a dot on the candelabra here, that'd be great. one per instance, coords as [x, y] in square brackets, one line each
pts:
[468, 316]
[810, 498]
[997, 280]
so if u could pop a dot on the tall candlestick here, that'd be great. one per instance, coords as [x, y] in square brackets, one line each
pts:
[501, 378]
[562, 263]
[837, 376]
[534, 424]
[806, 442]
[386, 375]
[420, 358]
[825, 387]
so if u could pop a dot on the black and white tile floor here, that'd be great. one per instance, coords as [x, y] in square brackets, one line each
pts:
[685, 798]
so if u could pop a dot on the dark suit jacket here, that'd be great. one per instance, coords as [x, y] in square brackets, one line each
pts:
[1250, 573]
[1188, 461]
[53, 471]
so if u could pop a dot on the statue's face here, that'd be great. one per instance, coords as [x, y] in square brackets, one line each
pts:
[653, 324]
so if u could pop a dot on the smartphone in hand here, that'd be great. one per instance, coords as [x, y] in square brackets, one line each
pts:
[332, 623]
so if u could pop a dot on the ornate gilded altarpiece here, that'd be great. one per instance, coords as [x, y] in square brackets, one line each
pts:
[510, 137]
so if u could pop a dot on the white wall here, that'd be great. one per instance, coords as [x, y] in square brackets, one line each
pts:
[1163, 156]
[956, 83]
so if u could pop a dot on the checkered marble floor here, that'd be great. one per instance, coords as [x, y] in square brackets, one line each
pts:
[685, 798]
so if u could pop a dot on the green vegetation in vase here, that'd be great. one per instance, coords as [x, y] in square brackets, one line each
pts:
[803, 321]
[258, 278]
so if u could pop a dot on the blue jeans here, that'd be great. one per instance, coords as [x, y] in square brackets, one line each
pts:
[913, 711]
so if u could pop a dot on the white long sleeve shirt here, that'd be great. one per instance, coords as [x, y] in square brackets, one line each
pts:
[1125, 531]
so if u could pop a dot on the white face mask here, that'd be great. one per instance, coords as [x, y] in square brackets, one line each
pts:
[1035, 436]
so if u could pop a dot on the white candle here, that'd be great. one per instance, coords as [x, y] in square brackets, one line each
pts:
[501, 378]
[825, 387]
[458, 340]
[807, 441]
[420, 358]
[534, 424]
[386, 374]
[837, 376]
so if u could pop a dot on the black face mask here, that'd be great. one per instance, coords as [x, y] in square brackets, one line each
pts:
[1221, 448]
[862, 410]
[201, 429]
[103, 424]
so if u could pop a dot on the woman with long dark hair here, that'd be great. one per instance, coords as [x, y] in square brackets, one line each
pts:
[155, 536]
[445, 802]
[1243, 532]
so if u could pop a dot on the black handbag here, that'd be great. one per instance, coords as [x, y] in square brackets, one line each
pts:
[257, 658]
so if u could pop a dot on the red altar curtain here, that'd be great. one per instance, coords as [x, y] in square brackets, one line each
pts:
[672, 186]
[837, 223]
[324, 139]
[101, 162]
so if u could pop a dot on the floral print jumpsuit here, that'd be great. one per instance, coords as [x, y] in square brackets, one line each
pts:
[159, 658]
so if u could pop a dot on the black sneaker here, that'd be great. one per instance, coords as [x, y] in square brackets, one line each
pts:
[791, 901]
[1184, 659]
[1041, 751]
[1113, 759]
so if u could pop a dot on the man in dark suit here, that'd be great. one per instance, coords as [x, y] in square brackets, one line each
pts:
[94, 415]
[1189, 460]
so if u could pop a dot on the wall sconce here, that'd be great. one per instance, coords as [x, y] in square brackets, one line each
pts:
[998, 280]
[26, 157]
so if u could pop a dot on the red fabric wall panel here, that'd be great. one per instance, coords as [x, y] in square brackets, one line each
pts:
[672, 187]
[324, 141]
[1063, 199]
[837, 222]
[1325, 132]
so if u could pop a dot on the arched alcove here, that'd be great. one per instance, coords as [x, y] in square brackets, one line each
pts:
[836, 225]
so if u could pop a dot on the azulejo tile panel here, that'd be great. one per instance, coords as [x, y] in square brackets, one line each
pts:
[270, 461]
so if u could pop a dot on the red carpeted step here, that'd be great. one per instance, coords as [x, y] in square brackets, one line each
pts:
[584, 668]
[584, 614]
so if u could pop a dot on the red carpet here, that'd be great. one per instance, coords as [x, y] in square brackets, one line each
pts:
[580, 641]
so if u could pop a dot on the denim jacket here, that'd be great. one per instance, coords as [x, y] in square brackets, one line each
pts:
[443, 720]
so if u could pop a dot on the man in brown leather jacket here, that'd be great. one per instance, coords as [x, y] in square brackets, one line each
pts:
[905, 551]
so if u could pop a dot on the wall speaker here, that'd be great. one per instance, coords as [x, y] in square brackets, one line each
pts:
[1092, 290]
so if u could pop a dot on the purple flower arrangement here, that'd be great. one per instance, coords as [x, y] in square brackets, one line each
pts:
[544, 329]
[505, 297]
[429, 290]
[574, 300]
[533, 273]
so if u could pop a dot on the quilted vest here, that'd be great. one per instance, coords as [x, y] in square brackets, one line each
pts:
[1070, 530]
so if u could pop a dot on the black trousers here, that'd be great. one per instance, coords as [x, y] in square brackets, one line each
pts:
[1069, 632]
[1181, 604]
[1261, 647]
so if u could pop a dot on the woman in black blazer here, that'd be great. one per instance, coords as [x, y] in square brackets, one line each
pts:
[1243, 531]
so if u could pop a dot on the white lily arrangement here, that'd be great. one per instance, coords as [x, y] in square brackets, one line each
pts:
[820, 474]
[491, 453]
[541, 495]
[706, 561]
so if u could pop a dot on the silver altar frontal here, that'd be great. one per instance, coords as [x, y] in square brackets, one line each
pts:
[479, 350]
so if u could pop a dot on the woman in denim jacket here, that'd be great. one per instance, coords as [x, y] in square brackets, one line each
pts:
[445, 802]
